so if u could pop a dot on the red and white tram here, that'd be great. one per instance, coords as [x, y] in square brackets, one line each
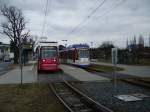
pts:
[48, 59]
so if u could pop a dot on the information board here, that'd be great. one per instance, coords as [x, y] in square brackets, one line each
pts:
[114, 54]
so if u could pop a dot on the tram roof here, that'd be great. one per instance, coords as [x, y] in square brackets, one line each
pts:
[77, 46]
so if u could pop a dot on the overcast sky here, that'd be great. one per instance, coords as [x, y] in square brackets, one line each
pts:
[115, 20]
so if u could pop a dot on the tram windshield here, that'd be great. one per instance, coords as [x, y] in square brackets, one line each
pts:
[84, 53]
[48, 52]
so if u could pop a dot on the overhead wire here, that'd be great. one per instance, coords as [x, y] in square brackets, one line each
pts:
[91, 14]
[44, 20]
[87, 17]
[115, 6]
[111, 9]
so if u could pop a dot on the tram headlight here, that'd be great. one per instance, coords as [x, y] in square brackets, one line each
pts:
[43, 60]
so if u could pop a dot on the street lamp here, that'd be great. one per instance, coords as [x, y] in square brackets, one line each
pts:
[91, 44]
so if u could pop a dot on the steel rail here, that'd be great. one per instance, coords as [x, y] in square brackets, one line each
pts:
[104, 109]
[96, 106]
[61, 100]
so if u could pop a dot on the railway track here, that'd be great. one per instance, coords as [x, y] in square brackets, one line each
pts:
[134, 80]
[74, 100]
[138, 82]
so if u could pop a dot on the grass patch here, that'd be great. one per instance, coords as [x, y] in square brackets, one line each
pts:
[105, 60]
[28, 98]
[144, 62]
[103, 68]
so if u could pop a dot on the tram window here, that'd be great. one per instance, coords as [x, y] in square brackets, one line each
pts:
[84, 53]
[48, 51]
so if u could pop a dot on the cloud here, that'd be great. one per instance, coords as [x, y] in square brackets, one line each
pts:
[130, 18]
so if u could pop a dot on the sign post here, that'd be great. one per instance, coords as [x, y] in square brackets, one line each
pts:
[114, 53]
[20, 61]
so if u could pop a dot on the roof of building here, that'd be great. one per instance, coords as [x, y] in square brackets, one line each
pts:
[4, 45]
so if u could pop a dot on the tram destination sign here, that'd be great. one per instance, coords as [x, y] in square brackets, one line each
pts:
[27, 46]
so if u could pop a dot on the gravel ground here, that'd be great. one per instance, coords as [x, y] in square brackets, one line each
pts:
[104, 93]
[46, 77]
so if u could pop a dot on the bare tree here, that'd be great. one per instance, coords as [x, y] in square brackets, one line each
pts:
[134, 40]
[141, 41]
[149, 41]
[105, 49]
[106, 44]
[14, 27]
[127, 43]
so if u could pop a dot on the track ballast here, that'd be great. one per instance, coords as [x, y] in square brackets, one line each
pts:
[74, 100]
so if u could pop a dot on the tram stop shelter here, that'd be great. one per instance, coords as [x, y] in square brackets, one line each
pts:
[27, 53]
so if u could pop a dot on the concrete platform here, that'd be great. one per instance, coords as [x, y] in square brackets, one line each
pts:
[81, 74]
[133, 70]
[13, 76]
